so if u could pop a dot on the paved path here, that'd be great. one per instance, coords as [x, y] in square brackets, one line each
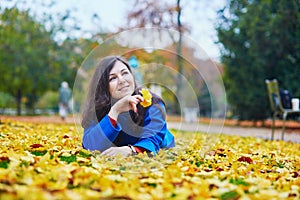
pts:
[290, 135]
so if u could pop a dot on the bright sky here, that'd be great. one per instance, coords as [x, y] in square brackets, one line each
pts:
[200, 16]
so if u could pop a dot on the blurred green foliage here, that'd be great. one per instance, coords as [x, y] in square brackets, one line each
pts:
[260, 40]
[48, 101]
[6, 100]
[32, 62]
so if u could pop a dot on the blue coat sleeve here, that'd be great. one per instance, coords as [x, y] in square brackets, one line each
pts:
[155, 134]
[99, 136]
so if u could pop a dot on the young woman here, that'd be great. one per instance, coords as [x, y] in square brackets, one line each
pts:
[114, 120]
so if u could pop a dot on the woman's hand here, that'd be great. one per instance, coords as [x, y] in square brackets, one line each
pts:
[125, 104]
[113, 151]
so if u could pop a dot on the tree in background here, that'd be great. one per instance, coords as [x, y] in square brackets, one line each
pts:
[260, 40]
[168, 15]
[150, 13]
[164, 15]
[23, 55]
[31, 61]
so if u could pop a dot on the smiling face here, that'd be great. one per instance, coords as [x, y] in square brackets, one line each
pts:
[121, 81]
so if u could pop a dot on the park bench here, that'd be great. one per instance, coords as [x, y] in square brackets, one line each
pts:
[276, 105]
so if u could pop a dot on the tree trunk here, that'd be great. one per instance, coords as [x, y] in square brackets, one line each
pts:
[263, 123]
[32, 98]
[180, 69]
[18, 99]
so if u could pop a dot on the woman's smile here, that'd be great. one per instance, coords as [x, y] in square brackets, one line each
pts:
[122, 88]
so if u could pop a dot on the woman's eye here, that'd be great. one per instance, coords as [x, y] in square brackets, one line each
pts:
[124, 73]
[112, 78]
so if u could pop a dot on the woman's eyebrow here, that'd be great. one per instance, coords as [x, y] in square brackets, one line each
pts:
[124, 69]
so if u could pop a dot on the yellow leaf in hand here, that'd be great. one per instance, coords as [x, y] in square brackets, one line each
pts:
[147, 97]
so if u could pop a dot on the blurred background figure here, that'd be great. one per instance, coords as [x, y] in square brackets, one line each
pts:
[64, 99]
[134, 64]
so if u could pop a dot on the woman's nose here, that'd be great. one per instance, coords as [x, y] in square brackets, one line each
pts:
[121, 79]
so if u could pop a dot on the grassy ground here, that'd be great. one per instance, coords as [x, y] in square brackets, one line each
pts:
[41, 160]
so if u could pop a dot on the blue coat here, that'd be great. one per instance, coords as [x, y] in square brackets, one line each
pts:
[152, 136]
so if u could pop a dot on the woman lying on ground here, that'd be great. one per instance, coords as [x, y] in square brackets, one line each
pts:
[120, 118]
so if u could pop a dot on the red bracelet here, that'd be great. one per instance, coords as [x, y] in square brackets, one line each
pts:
[140, 149]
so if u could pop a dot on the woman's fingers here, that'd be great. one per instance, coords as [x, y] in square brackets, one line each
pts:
[132, 104]
[134, 101]
[128, 103]
[140, 98]
[134, 108]
[106, 152]
[113, 151]
[137, 99]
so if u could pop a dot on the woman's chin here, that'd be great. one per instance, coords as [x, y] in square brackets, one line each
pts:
[123, 94]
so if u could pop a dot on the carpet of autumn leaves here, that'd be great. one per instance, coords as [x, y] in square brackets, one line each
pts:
[46, 161]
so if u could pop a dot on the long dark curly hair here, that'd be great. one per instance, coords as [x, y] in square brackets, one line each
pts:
[99, 100]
